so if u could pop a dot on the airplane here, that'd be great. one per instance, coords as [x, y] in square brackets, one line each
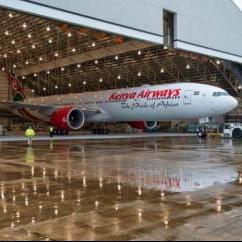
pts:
[141, 107]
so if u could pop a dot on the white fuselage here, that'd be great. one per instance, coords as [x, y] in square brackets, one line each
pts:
[180, 101]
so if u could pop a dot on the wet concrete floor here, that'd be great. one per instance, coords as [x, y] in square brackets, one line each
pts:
[143, 189]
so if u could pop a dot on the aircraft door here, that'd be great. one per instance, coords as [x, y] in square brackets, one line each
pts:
[187, 97]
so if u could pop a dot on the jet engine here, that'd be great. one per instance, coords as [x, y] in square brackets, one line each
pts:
[144, 125]
[68, 118]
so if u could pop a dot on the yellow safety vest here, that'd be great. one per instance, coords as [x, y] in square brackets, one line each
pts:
[30, 133]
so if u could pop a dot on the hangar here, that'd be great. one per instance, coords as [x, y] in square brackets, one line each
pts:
[59, 48]
[153, 187]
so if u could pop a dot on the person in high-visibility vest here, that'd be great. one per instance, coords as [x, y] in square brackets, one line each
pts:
[30, 134]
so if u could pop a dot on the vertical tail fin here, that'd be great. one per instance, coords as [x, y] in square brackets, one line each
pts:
[16, 88]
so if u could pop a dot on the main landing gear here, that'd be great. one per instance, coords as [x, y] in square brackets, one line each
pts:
[100, 129]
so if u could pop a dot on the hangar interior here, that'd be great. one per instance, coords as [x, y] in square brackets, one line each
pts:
[52, 57]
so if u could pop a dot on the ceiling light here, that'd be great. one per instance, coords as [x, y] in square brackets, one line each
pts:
[13, 42]
[18, 51]
[48, 72]
[3, 69]
[26, 62]
[5, 55]
[240, 87]
[84, 83]
[139, 73]
[6, 32]
[93, 44]
[33, 91]
[69, 35]
[24, 25]
[41, 59]
[44, 89]
[116, 57]
[218, 62]
[33, 46]
[119, 77]
[73, 50]
[100, 80]
[56, 54]
[96, 62]
[29, 36]
[188, 67]
[10, 15]
[162, 70]
[14, 66]
[139, 52]
[69, 85]
[35, 75]
[48, 28]
[56, 87]
[62, 69]
[79, 66]
[165, 47]
[50, 41]
[23, 77]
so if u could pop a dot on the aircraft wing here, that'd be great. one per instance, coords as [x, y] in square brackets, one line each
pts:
[47, 109]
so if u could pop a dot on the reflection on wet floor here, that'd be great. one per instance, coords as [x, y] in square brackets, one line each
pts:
[155, 189]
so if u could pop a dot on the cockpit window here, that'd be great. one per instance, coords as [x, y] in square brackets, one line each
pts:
[221, 94]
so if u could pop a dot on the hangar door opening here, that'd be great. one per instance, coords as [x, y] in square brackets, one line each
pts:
[169, 28]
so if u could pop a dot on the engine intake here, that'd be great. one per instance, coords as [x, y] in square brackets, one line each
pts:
[68, 118]
[144, 125]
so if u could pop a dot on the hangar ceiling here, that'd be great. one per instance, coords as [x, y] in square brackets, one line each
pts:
[52, 57]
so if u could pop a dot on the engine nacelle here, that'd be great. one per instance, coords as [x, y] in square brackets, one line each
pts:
[68, 118]
[144, 125]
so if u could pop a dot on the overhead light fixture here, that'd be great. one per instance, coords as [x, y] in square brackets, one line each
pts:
[119, 77]
[84, 83]
[10, 15]
[218, 62]
[162, 70]
[35, 75]
[48, 28]
[5, 56]
[23, 77]
[116, 57]
[29, 36]
[6, 32]
[14, 66]
[44, 89]
[33, 46]
[41, 59]
[69, 85]
[69, 35]
[100, 80]
[239, 87]
[56, 87]
[96, 62]
[50, 41]
[188, 66]
[56, 54]
[33, 91]
[93, 44]
[79, 66]
[13, 42]
[165, 47]
[18, 51]
[139, 52]
[62, 68]
[26, 62]
[139, 73]
[3, 69]
[73, 50]
[24, 25]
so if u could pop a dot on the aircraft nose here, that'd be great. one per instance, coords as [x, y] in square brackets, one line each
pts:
[234, 103]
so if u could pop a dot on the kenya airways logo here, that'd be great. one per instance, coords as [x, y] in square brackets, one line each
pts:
[145, 94]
